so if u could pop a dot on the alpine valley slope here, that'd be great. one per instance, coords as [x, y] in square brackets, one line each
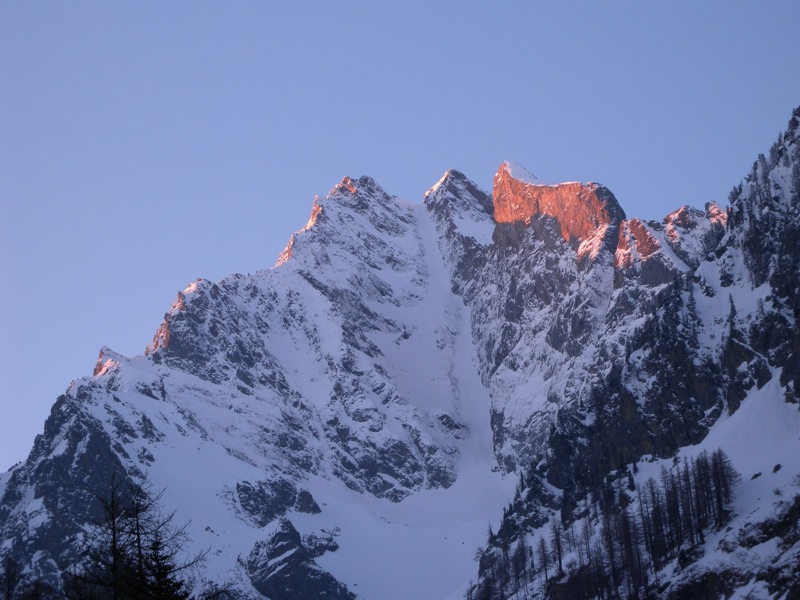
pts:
[346, 423]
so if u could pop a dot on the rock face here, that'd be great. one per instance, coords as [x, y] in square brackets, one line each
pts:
[402, 359]
[281, 568]
[687, 333]
[568, 292]
[693, 234]
[579, 208]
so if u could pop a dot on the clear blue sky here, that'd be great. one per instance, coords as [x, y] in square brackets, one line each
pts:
[144, 144]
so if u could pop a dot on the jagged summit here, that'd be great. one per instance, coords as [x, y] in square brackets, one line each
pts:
[363, 184]
[450, 177]
[456, 188]
[579, 208]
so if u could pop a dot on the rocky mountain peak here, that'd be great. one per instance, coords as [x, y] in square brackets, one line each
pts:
[579, 208]
[347, 184]
[451, 181]
[105, 359]
[685, 217]
[456, 190]
[363, 185]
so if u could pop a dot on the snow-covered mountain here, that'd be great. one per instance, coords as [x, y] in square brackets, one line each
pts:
[347, 423]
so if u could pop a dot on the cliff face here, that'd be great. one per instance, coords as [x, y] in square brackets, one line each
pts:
[579, 208]
[403, 364]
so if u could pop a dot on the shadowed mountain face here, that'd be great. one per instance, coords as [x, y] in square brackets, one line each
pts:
[333, 426]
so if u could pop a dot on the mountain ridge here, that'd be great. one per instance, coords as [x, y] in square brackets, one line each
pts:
[402, 360]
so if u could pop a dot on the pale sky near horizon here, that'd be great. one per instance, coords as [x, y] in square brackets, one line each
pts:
[143, 145]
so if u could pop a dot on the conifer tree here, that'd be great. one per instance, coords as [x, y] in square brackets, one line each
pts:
[135, 552]
[556, 542]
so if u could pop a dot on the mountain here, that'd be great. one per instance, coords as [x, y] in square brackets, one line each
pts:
[347, 423]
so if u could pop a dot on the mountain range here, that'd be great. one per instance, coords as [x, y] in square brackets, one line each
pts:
[416, 393]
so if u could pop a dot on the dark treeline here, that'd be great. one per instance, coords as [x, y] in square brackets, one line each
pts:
[620, 546]
[135, 552]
